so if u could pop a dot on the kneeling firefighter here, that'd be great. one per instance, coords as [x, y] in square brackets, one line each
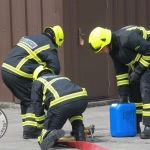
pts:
[63, 100]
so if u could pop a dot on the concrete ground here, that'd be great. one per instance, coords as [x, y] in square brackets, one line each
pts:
[98, 115]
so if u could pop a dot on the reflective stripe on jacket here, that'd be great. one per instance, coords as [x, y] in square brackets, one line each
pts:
[51, 90]
[30, 53]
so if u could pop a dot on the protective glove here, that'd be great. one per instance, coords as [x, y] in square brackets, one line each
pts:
[123, 99]
[134, 77]
[136, 74]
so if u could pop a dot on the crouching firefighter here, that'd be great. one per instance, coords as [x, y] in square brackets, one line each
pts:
[24, 58]
[129, 48]
[63, 100]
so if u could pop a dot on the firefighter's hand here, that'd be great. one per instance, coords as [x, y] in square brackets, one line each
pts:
[134, 77]
[123, 99]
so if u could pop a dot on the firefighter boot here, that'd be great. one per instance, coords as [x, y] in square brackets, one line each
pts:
[86, 131]
[79, 133]
[31, 134]
[78, 130]
[47, 140]
[146, 133]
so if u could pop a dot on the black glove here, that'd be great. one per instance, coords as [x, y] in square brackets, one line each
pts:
[134, 77]
[136, 74]
[123, 99]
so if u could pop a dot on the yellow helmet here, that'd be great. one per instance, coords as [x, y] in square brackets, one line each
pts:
[98, 38]
[59, 34]
[39, 69]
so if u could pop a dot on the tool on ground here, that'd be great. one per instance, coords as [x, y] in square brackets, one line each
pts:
[89, 131]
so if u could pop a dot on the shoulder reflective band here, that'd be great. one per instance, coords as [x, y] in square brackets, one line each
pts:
[32, 54]
[144, 32]
[47, 85]
[16, 71]
[68, 97]
[44, 81]
[140, 28]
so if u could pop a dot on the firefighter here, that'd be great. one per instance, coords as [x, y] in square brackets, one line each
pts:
[129, 48]
[62, 99]
[20, 64]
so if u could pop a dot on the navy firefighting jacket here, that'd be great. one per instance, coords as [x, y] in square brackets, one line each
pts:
[51, 91]
[130, 46]
[31, 52]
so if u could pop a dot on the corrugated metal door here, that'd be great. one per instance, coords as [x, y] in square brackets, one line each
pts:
[92, 69]
[25, 17]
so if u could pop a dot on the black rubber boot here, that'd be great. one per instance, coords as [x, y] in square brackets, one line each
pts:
[78, 130]
[51, 138]
[138, 127]
[79, 134]
[146, 133]
[31, 134]
[87, 131]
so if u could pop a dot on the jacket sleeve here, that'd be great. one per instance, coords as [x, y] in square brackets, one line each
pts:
[121, 77]
[36, 98]
[50, 56]
[138, 44]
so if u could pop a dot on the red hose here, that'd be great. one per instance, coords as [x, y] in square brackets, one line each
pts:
[82, 145]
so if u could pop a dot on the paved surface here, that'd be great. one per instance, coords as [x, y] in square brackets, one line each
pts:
[99, 116]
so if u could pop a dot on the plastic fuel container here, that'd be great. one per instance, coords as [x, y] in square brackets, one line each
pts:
[122, 120]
